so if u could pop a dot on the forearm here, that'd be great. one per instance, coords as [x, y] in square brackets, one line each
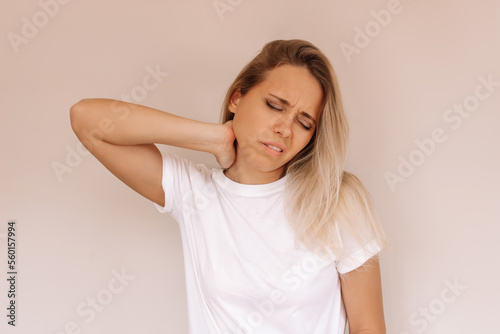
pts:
[123, 123]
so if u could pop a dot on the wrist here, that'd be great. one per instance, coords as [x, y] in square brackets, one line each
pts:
[219, 135]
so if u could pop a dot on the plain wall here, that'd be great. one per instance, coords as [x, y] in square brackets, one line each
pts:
[433, 172]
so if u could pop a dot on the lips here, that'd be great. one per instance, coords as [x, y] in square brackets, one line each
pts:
[276, 145]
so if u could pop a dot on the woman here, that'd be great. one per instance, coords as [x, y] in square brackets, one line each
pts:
[281, 239]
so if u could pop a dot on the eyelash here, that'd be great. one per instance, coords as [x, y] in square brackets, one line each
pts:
[308, 128]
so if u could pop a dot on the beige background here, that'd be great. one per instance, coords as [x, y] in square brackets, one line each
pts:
[76, 227]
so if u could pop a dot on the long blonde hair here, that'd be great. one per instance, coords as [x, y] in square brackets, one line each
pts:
[325, 203]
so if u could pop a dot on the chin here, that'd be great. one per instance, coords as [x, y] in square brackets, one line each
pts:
[268, 167]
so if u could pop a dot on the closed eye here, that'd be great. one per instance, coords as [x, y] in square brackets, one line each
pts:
[308, 128]
[272, 106]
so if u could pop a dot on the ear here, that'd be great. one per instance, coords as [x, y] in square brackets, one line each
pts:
[234, 101]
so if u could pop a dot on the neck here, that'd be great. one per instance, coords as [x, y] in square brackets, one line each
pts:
[245, 174]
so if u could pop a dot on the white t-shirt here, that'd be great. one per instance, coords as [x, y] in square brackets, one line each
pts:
[243, 273]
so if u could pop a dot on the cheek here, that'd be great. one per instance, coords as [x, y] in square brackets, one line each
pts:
[236, 129]
[303, 142]
[240, 128]
[246, 124]
[305, 136]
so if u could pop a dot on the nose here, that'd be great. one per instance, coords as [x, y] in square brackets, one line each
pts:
[283, 125]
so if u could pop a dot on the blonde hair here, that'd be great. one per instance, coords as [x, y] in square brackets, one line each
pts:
[325, 203]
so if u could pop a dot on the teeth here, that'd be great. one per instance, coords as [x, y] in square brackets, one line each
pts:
[275, 148]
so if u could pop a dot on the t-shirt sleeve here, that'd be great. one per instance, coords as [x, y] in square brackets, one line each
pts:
[182, 180]
[356, 255]
[356, 251]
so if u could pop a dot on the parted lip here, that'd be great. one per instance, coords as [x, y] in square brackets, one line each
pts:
[273, 143]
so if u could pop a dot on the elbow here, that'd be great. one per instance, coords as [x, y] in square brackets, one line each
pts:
[76, 115]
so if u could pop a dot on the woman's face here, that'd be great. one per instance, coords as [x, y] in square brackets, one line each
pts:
[273, 122]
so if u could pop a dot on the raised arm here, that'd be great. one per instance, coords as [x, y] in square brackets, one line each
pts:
[122, 135]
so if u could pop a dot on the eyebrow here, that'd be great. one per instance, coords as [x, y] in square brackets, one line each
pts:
[285, 102]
